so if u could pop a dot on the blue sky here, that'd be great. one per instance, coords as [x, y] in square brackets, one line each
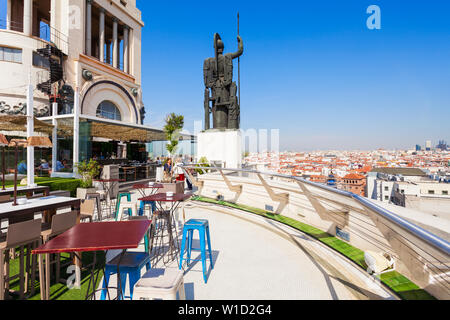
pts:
[311, 68]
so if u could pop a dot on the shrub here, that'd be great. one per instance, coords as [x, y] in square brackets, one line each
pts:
[62, 184]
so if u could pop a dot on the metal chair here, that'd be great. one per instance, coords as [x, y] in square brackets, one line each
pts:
[97, 197]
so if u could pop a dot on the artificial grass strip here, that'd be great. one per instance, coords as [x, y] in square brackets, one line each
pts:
[60, 291]
[55, 184]
[402, 286]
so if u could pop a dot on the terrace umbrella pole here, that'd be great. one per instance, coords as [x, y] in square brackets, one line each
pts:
[15, 174]
[3, 168]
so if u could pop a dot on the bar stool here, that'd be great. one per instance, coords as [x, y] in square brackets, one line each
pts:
[96, 196]
[24, 234]
[131, 265]
[129, 207]
[60, 224]
[160, 284]
[202, 226]
[119, 199]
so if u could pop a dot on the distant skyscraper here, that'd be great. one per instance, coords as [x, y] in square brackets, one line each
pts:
[428, 145]
[442, 145]
[418, 147]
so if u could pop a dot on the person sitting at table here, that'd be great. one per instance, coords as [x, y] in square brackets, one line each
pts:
[44, 165]
[59, 166]
[22, 167]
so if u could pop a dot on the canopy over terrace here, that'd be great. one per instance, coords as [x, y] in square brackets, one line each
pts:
[93, 131]
[18, 125]
[109, 129]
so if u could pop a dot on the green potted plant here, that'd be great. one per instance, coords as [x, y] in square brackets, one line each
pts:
[88, 171]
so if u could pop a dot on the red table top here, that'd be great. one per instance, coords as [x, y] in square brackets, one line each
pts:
[162, 197]
[147, 186]
[98, 236]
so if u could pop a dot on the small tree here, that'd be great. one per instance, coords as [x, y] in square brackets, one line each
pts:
[88, 171]
[172, 129]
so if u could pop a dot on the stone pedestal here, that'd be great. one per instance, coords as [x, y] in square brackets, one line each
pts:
[221, 145]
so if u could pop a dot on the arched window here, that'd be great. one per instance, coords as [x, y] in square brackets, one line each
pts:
[108, 110]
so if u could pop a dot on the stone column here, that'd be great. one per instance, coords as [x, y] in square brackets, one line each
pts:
[102, 35]
[28, 17]
[89, 27]
[8, 15]
[115, 43]
[126, 63]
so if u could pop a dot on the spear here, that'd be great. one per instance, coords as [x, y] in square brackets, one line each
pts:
[239, 66]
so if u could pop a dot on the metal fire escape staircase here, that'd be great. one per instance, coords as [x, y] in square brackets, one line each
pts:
[55, 57]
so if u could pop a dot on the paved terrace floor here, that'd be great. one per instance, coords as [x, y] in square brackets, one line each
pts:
[255, 258]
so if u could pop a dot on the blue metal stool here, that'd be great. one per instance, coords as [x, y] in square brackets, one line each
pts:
[142, 207]
[188, 231]
[131, 265]
[119, 198]
[141, 212]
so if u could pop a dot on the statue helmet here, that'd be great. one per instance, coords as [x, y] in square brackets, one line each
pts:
[218, 43]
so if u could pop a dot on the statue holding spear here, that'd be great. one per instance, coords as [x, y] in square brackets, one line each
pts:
[221, 93]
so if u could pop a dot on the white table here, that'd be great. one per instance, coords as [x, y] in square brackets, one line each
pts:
[26, 212]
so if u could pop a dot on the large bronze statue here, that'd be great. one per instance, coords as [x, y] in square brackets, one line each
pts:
[221, 98]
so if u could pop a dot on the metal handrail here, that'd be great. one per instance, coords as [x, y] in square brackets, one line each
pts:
[423, 234]
[47, 34]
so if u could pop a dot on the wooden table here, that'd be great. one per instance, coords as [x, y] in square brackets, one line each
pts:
[174, 201]
[91, 237]
[29, 191]
[21, 213]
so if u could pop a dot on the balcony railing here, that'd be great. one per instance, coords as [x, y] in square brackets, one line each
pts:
[47, 33]
[420, 255]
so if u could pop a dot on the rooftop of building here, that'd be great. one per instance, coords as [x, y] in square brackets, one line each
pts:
[401, 171]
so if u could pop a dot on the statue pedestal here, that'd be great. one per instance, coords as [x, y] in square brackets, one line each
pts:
[221, 145]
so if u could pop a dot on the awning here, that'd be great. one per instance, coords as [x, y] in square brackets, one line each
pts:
[110, 131]
[19, 123]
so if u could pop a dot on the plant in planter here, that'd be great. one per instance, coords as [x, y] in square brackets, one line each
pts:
[88, 171]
